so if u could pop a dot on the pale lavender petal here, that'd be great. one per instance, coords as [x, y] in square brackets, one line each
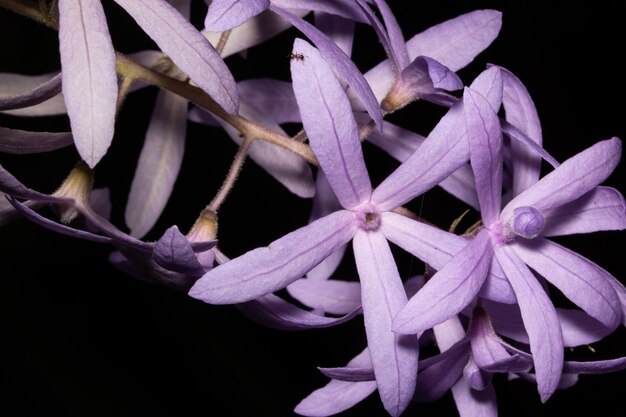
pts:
[442, 153]
[485, 143]
[24, 142]
[450, 290]
[227, 14]
[159, 163]
[33, 96]
[497, 286]
[473, 403]
[580, 280]
[339, 29]
[274, 98]
[330, 126]
[338, 396]
[454, 43]
[540, 320]
[477, 378]
[575, 177]
[516, 135]
[273, 311]
[602, 208]
[595, 367]
[394, 356]
[349, 374]
[268, 269]
[344, 8]
[430, 244]
[383, 38]
[396, 40]
[340, 62]
[89, 76]
[189, 50]
[489, 84]
[16, 84]
[173, 252]
[621, 293]
[331, 296]
[520, 111]
[253, 32]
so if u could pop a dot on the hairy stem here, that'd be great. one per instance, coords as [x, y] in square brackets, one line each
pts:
[231, 177]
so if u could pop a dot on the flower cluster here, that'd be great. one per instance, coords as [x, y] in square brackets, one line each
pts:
[487, 294]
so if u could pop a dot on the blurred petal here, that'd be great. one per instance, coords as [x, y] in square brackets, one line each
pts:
[173, 252]
[595, 367]
[575, 177]
[340, 62]
[394, 356]
[268, 269]
[227, 14]
[349, 374]
[472, 403]
[159, 163]
[33, 96]
[189, 50]
[540, 320]
[331, 296]
[580, 280]
[273, 98]
[343, 8]
[17, 84]
[339, 29]
[330, 126]
[602, 208]
[89, 76]
[24, 142]
[450, 290]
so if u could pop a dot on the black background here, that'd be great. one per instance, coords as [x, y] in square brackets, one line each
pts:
[80, 338]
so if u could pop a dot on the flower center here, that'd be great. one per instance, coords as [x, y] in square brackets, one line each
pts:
[367, 217]
[528, 222]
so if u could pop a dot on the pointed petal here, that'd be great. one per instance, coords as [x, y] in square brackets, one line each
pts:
[24, 142]
[489, 84]
[621, 293]
[442, 153]
[595, 367]
[265, 270]
[173, 252]
[158, 165]
[485, 143]
[394, 356]
[572, 179]
[274, 98]
[339, 29]
[520, 111]
[497, 286]
[450, 290]
[396, 40]
[189, 50]
[383, 37]
[227, 14]
[349, 374]
[602, 208]
[330, 126]
[540, 320]
[341, 63]
[274, 312]
[331, 296]
[17, 84]
[33, 96]
[472, 403]
[430, 244]
[89, 76]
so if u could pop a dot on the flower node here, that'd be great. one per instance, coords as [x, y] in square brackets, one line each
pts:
[367, 217]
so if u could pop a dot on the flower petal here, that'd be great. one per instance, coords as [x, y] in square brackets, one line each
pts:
[330, 126]
[349, 374]
[173, 252]
[471, 403]
[340, 62]
[89, 76]
[227, 14]
[265, 270]
[33, 96]
[159, 163]
[24, 142]
[575, 177]
[17, 84]
[396, 40]
[450, 290]
[595, 367]
[383, 37]
[339, 29]
[602, 208]
[189, 50]
[540, 320]
[274, 98]
[331, 296]
[394, 356]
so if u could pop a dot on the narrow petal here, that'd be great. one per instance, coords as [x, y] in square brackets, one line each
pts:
[540, 320]
[621, 293]
[338, 396]
[227, 14]
[473, 403]
[595, 367]
[13, 187]
[383, 37]
[189, 50]
[173, 252]
[339, 29]
[349, 374]
[18, 84]
[580, 280]
[331, 296]
[159, 163]
[274, 98]
[450, 290]
[33, 96]
[346, 9]
[265, 270]
[485, 143]
[330, 126]
[340, 62]
[521, 112]
[24, 142]
[575, 177]
[602, 208]
[274, 312]
[394, 356]
[396, 40]
[89, 76]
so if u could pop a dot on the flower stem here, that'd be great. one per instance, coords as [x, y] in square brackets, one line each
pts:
[231, 178]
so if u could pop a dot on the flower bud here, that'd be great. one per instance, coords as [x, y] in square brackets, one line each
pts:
[528, 222]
